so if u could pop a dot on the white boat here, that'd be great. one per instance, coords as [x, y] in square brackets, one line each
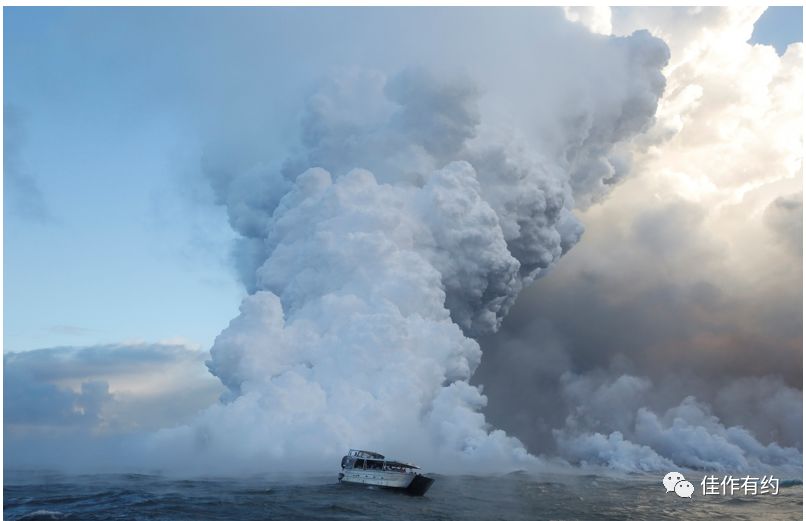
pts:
[363, 467]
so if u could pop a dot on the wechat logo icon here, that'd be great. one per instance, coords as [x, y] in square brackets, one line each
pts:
[676, 482]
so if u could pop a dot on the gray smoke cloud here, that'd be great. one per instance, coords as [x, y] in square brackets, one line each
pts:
[672, 335]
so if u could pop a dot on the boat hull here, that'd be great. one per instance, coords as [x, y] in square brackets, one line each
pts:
[419, 485]
[412, 484]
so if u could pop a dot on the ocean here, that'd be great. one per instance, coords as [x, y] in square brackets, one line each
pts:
[33, 496]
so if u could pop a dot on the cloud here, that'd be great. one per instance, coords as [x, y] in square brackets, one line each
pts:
[23, 197]
[784, 216]
[91, 409]
[596, 19]
[30, 401]
[66, 329]
[103, 389]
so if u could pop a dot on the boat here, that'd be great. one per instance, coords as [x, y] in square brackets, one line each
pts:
[364, 467]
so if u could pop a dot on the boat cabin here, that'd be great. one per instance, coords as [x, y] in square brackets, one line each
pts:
[367, 460]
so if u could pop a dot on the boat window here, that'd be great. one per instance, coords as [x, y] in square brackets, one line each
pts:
[358, 464]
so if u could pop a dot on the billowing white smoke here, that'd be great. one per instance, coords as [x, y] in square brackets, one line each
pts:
[612, 424]
[405, 227]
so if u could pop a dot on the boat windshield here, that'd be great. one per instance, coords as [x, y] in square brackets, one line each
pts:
[365, 454]
[399, 465]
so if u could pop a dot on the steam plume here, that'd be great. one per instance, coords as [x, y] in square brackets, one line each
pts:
[406, 226]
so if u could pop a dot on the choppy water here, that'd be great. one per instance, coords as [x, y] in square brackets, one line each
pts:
[518, 496]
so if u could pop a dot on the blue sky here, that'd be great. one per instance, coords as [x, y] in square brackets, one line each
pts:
[779, 26]
[112, 108]
[111, 113]
[114, 258]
